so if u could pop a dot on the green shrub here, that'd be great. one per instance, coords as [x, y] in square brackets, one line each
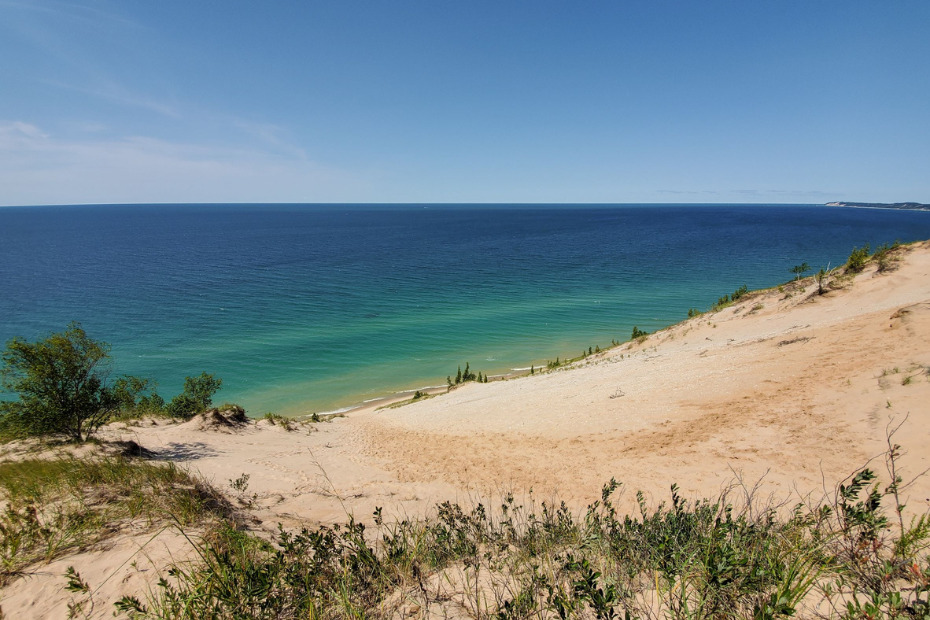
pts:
[858, 259]
[467, 375]
[61, 385]
[799, 270]
[196, 397]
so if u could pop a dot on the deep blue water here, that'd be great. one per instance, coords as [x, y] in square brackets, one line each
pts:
[304, 308]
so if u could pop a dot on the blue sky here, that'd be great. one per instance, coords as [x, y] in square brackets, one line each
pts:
[438, 101]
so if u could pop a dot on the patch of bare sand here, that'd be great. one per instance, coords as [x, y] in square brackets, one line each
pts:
[798, 390]
[788, 386]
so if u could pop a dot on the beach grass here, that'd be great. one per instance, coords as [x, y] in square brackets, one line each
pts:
[738, 555]
[59, 505]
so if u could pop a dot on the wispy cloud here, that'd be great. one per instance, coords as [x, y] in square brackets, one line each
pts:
[70, 11]
[109, 90]
[64, 32]
[19, 133]
[38, 168]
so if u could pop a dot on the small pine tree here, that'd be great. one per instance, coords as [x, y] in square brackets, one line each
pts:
[801, 269]
[532, 370]
[857, 259]
[458, 376]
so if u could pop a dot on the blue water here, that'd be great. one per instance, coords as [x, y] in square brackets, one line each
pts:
[302, 308]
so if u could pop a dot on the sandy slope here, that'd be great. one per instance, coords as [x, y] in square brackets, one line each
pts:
[787, 386]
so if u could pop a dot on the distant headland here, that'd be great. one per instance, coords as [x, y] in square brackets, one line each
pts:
[909, 206]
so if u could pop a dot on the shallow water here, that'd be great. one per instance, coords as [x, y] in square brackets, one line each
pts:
[303, 308]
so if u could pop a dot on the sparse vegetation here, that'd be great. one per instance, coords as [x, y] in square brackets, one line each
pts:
[884, 256]
[467, 375]
[57, 505]
[276, 419]
[799, 270]
[730, 299]
[855, 557]
[857, 259]
[822, 279]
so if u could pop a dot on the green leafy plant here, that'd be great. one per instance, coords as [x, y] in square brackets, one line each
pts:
[61, 385]
[857, 259]
[196, 397]
[800, 270]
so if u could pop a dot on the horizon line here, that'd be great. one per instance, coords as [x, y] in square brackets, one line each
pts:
[424, 203]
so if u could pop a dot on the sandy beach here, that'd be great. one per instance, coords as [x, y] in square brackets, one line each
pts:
[786, 388]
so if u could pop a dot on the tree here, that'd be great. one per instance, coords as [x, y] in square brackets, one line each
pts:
[821, 278]
[800, 270]
[196, 397]
[62, 385]
[857, 259]
[137, 396]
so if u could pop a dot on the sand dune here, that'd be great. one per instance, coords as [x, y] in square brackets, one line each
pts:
[787, 386]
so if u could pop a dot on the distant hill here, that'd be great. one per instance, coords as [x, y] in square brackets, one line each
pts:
[910, 206]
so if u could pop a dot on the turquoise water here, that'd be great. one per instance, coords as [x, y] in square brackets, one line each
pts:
[302, 308]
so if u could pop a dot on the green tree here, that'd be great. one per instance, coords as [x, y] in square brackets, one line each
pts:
[857, 259]
[137, 396]
[800, 270]
[62, 385]
[196, 397]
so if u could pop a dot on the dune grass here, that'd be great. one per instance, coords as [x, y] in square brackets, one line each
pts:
[55, 506]
[856, 556]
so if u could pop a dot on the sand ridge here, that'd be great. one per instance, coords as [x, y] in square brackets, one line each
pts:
[787, 387]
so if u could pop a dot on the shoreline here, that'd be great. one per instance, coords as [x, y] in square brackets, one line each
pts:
[778, 396]
[893, 206]
[390, 399]
[387, 400]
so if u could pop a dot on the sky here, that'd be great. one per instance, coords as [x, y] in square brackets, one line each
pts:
[134, 101]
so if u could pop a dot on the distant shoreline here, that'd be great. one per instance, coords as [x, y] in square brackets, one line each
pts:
[903, 206]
